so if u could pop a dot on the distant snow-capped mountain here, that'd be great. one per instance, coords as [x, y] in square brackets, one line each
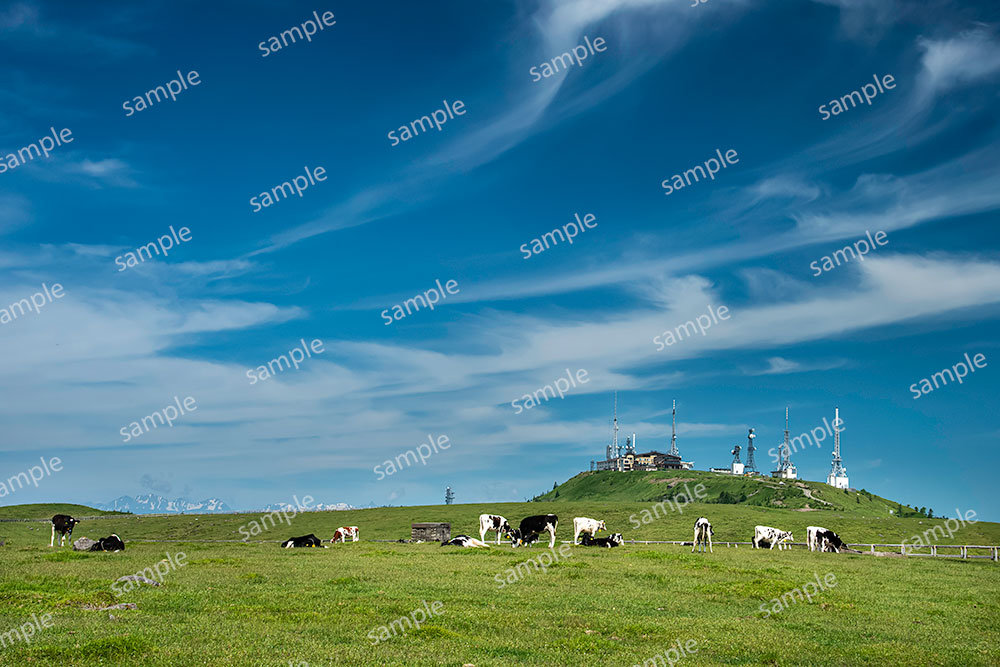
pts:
[151, 503]
[312, 507]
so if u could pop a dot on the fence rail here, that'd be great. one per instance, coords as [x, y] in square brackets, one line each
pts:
[903, 549]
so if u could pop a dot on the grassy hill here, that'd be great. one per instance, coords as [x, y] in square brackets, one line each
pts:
[253, 604]
[48, 510]
[723, 489]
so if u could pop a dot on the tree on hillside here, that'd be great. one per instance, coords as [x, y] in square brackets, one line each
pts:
[930, 514]
[923, 510]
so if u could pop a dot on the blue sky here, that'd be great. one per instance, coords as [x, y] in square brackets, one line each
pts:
[675, 84]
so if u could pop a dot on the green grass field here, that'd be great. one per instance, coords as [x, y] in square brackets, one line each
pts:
[256, 604]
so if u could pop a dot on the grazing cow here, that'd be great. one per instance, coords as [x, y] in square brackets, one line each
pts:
[488, 522]
[110, 543]
[464, 541]
[342, 533]
[829, 541]
[309, 540]
[612, 540]
[62, 524]
[582, 524]
[531, 527]
[770, 536]
[702, 535]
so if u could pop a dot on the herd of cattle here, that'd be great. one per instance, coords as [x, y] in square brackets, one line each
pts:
[527, 533]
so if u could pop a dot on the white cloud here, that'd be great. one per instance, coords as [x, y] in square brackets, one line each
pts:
[782, 366]
[949, 63]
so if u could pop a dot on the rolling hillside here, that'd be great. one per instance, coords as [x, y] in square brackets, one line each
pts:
[730, 522]
[725, 490]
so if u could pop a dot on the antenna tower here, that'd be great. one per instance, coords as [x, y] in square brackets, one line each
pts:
[837, 469]
[673, 433]
[449, 496]
[751, 466]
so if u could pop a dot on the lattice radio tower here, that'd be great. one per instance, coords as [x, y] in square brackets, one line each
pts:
[837, 469]
[786, 450]
[449, 496]
[673, 433]
[751, 466]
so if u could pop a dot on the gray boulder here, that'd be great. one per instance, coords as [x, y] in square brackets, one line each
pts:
[83, 544]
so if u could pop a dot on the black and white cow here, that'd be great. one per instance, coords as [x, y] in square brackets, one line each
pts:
[464, 541]
[702, 535]
[612, 540]
[309, 540]
[770, 536]
[495, 522]
[62, 524]
[823, 539]
[110, 543]
[584, 526]
[530, 528]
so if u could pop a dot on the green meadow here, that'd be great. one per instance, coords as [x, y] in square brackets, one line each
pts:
[256, 604]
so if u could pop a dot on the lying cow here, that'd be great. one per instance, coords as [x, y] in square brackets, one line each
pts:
[770, 536]
[612, 540]
[583, 525]
[495, 522]
[342, 533]
[823, 539]
[62, 524]
[109, 543]
[309, 540]
[531, 527]
[464, 541]
[702, 535]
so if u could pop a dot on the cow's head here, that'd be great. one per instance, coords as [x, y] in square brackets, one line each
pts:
[505, 528]
[601, 526]
[617, 539]
[787, 537]
[515, 537]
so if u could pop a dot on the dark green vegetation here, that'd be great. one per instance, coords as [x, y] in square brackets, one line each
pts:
[257, 604]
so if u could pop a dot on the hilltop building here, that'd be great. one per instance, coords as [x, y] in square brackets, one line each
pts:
[735, 468]
[628, 459]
